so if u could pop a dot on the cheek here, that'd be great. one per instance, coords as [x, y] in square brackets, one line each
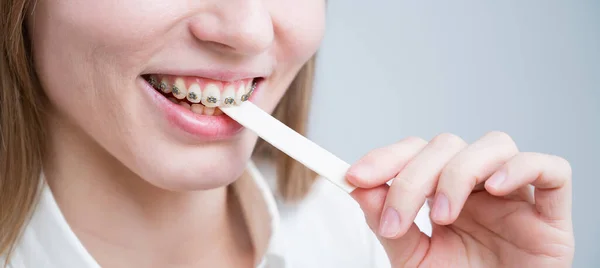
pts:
[87, 56]
[86, 52]
[299, 27]
[100, 35]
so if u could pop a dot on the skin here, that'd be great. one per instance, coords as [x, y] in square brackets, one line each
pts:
[122, 177]
[135, 191]
[483, 212]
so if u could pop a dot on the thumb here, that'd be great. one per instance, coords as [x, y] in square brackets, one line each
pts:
[406, 251]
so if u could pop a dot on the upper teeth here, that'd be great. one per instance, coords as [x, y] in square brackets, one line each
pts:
[179, 90]
[238, 95]
[153, 81]
[211, 95]
[164, 87]
[228, 95]
[194, 94]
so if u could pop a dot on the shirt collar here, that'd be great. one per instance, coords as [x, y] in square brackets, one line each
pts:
[48, 241]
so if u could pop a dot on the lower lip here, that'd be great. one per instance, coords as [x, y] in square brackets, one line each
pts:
[204, 127]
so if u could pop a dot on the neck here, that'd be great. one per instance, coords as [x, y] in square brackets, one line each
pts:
[123, 221]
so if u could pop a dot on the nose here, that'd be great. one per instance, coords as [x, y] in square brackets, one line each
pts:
[235, 26]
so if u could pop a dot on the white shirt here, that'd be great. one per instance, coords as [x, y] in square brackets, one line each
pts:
[326, 229]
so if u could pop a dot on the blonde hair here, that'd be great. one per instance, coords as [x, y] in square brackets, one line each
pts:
[22, 132]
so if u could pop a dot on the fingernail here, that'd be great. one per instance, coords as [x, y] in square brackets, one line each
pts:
[390, 223]
[441, 207]
[359, 172]
[497, 179]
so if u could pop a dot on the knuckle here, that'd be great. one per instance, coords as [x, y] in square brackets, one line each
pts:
[525, 159]
[568, 168]
[498, 134]
[448, 140]
[564, 165]
[502, 138]
[414, 140]
[529, 157]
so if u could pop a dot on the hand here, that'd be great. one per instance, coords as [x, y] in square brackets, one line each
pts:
[483, 211]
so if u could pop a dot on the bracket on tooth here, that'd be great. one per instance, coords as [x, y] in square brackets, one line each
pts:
[175, 90]
[153, 81]
[211, 99]
[193, 96]
[162, 86]
[246, 96]
[228, 101]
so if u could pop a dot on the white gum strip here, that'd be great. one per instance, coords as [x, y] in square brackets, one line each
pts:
[291, 143]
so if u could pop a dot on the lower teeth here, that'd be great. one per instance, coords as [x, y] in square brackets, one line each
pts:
[198, 108]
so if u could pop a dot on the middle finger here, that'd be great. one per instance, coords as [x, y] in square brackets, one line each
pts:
[467, 169]
[415, 182]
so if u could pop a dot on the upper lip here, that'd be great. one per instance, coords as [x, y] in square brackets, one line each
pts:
[219, 75]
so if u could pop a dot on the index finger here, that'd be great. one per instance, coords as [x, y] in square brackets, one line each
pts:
[382, 164]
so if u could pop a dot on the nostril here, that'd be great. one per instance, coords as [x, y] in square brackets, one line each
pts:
[219, 46]
[245, 31]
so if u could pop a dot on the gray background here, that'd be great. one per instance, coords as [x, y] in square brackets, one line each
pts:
[391, 69]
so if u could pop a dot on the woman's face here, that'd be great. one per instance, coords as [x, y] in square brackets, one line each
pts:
[95, 60]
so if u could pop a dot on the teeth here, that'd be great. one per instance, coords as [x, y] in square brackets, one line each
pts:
[194, 94]
[197, 108]
[211, 96]
[240, 92]
[164, 86]
[153, 81]
[185, 105]
[179, 90]
[218, 111]
[249, 91]
[209, 110]
[246, 94]
[229, 95]
[252, 88]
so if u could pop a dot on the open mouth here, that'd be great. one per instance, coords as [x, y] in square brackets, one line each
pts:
[201, 95]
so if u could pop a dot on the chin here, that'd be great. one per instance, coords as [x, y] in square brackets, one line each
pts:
[195, 168]
[206, 177]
